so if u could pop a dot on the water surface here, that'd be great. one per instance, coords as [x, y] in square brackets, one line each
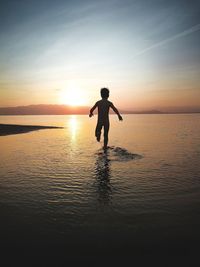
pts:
[58, 185]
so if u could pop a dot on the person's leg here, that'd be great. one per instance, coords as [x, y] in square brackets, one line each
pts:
[106, 130]
[98, 131]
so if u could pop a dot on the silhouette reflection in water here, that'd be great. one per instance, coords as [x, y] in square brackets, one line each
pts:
[102, 173]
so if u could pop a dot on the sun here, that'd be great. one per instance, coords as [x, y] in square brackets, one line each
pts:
[73, 96]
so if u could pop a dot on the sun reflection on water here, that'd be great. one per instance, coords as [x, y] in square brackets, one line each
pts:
[73, 126]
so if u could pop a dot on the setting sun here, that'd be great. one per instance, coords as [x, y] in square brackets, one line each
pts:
[72, 96]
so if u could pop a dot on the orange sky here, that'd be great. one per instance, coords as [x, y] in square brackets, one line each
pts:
[149, 58]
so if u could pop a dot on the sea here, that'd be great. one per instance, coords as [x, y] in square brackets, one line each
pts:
[59, 188]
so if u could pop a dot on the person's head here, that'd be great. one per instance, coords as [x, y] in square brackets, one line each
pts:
[104, 93]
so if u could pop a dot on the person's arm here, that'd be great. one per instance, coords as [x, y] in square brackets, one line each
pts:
[92, 109]
[116, 111]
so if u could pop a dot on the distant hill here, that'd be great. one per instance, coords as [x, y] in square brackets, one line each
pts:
[142, 112]
[44, 109]
[58, 110]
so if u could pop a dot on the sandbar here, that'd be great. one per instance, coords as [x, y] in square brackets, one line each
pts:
[8, 129]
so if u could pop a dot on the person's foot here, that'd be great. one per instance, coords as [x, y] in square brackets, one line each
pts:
[105, 148]
[98, 136]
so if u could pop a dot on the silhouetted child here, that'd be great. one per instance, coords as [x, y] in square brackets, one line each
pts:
[103, 106]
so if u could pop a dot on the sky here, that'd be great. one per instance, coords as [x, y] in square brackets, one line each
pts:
[62, 52]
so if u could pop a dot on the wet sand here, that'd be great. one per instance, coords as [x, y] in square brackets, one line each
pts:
[8, 129]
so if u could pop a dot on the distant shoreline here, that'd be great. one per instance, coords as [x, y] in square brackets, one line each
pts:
[123, 113]
[9, 129]
[55, 109]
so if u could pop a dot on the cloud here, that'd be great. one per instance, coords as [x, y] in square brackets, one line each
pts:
[168, 40]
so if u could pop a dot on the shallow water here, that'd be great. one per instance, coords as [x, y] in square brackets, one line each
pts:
[59, 183]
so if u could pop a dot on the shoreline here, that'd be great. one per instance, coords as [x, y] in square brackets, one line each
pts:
[9, 129]
[111, 113]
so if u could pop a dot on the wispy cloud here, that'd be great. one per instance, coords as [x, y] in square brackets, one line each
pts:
[168, 40]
